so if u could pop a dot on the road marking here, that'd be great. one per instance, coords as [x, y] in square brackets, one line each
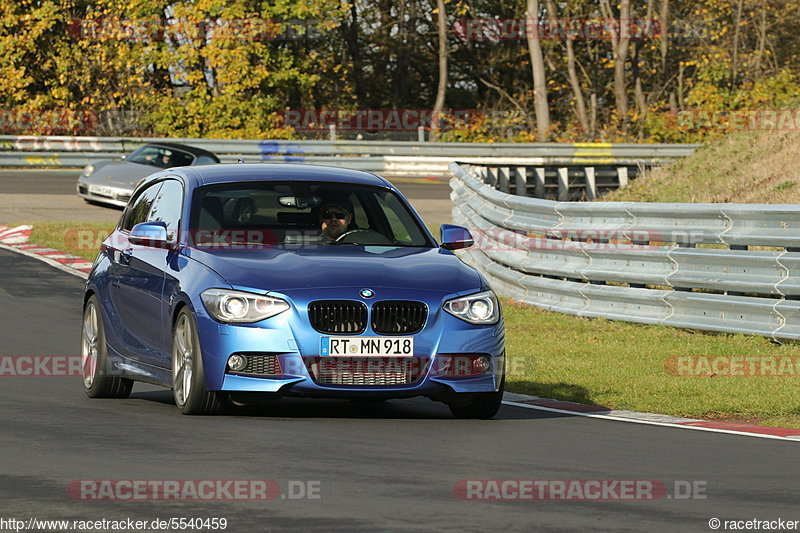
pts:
[644, 420]
[44, 258]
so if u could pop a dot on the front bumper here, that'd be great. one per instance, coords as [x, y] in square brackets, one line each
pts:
[115, 196]
[301, 383]
[291, 339]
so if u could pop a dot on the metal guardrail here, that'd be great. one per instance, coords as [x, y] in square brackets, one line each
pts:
[392, 158]
[562, 179]
[719, 267]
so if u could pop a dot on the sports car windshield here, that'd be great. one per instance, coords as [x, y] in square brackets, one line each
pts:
[160, 156]
[302, 213]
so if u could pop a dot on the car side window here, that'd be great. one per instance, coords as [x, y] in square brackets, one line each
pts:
[167, 206]
[140, 209]
[400, 221]
[205, 160]
[360, 218]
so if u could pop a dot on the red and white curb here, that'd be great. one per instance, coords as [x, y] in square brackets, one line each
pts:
[16, 235]
[597, 411]
[16, 240]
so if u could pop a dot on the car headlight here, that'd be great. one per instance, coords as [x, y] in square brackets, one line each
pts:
[480, 308]
[239, 306]
[87, 170]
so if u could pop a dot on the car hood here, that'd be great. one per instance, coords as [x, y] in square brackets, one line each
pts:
[324, 266]
[120, 174]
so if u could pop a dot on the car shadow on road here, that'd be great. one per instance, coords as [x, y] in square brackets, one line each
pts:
[307, 408]
[562, 391]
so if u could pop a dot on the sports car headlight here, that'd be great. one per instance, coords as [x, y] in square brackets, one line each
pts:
[88, 170]
[480, 308]
[239, 306]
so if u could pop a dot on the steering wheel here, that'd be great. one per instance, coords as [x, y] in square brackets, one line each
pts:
[356, 236]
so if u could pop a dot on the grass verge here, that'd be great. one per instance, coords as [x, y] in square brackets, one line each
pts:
[748, 167]
[79, 238]
[615, 364]
[625, 366]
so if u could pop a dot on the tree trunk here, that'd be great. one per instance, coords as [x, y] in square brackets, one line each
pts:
[619, 49]
[620, 57]
[577, 91]
[580, 104]
[638, 92]
[735, 62]
[641, 104]
[762, 37]
[442, 88]
[541, 108]
[407, 18]
[351, 38]
[664, 35]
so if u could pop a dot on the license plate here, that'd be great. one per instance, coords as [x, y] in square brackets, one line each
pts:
[101, 190]
[367, 346]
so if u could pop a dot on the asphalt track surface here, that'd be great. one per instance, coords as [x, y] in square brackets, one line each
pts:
[48, 195]
[389, 467]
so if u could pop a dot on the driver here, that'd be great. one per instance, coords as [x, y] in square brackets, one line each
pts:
[335, 217]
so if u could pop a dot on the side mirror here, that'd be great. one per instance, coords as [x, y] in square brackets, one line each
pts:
[455, 237]
[153, 234]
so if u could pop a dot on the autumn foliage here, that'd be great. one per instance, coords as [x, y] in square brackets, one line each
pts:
[233, 68]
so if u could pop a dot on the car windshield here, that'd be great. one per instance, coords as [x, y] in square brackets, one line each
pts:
[302, 213]
[160, 156]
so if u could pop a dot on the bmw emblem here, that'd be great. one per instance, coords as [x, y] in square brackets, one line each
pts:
[367, 293]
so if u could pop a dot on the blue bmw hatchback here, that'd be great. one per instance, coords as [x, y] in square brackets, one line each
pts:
[235, 283]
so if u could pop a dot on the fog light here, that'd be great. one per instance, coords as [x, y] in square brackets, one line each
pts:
[480, 364]
[466, 365]
[237, 362]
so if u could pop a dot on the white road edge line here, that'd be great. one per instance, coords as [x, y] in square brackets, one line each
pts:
[44, 258]
[648, 422]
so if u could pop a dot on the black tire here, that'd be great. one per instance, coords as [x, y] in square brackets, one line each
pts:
[479, 405]
[198, 400]
[99, 380]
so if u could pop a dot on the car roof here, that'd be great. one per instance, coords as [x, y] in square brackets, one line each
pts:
[182, 147]
[224, 173]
